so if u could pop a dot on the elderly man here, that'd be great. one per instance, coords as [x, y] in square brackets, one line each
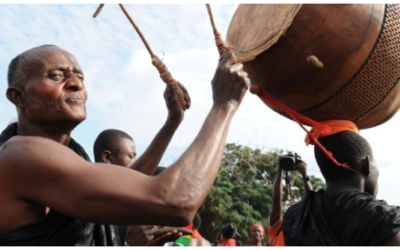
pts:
[51, 194]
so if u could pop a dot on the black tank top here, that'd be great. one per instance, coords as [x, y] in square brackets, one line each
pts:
[57, 229]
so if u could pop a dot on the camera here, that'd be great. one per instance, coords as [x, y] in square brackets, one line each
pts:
[289, 161]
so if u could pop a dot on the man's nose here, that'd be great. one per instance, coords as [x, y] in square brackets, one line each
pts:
[74, 83]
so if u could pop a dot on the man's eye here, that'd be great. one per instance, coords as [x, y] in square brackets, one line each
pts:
[80, 77]
[56, 76]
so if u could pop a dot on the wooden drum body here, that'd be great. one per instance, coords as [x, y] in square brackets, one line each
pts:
[357, 47]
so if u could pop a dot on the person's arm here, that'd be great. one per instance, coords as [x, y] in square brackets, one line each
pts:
[276, 212]
[47, 173]
[148, 162]
[302, 167]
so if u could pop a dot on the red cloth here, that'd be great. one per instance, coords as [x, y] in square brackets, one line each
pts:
[257, 225]
[318, 127]
[196, 234]
[229, 243]
[273, 231]
[335, 126]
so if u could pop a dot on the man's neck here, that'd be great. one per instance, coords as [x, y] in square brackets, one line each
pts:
[338, 186]
[61, 134]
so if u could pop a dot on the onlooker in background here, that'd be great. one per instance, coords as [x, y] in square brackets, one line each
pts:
[257, 233]
[197, 239]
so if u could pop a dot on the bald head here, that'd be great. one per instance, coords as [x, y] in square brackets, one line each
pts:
[46, 84]
[18, 69]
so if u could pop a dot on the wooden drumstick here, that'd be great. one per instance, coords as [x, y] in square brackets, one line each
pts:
[224, 48]
[165, 75]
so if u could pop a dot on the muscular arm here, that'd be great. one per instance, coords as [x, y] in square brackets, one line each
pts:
[148, 162]
[57, 178]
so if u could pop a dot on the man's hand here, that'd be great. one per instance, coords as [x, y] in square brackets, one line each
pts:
[301, 166]
[230, 82]
[280, 167]
[174, 105]
[139, 235]
[143, 236]
[167, 237]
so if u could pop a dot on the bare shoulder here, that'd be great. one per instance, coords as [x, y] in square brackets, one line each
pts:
[18, 146]
[15, 150]
[27, 169]
[33, 158]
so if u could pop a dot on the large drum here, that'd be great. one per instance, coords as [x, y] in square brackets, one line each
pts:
[323, 61]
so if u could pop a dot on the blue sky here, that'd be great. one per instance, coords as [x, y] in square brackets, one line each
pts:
[125, 91]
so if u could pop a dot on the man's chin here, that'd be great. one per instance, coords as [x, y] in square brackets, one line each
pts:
[77, 115]
[74, 119]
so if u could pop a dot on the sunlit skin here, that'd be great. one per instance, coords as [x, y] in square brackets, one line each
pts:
[52, 102]
[37, 171]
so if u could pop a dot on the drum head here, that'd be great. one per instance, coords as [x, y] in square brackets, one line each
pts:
[256, 27]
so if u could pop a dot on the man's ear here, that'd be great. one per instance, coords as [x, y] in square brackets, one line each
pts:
[106, 156]
[365, 166]
[15, 95]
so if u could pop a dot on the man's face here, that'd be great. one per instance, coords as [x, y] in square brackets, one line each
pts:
[256, 235]
[126, 154]
[54, 91]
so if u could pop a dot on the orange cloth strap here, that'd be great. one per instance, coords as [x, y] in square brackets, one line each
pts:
[319, 129]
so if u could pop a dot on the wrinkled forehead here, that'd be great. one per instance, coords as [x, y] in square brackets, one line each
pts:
[52, 57]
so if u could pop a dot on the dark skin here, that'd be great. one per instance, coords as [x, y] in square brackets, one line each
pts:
[96, 192]
[144, 236]
[147, 163]
[138, 235]
[141, 235]
[276, 212]
[364, 179]
[257, 236]
[125, 156]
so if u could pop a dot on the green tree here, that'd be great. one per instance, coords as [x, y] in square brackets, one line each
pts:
[242, 191]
